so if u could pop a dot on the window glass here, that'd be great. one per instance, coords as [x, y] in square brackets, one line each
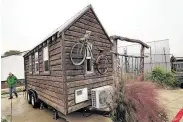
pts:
[45, 59]
[36, 62]
[45, 52]
[30, 64]
[89, 65]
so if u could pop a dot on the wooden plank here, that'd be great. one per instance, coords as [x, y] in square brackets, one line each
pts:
[49, 78]
[71, 40]
[82, 77]
[71, 97]
[79, 106]
[88, 81]
[72, 102]
[73, 67]
[80, 30]
[56, 73]
[55, 57]
[47, 94]
[86, 17]
[86, 25]
[46, 87]
[89, 25]
[54, 105]
[75, 72]
[46, 82]
[53, 42]
[89, 86]
[55, 51]
[56, 68]
[55, 46]
[80, 35]
[55, 62]
[69, 60]
[48, 101]
[90, 14]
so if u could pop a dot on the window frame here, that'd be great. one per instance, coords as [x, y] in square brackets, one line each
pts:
[36, 71]
[30, 64]
[90, 45]
[46, 72]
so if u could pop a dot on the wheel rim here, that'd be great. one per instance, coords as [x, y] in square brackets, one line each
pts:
[102, 64]
[32, 100]
[78, 54]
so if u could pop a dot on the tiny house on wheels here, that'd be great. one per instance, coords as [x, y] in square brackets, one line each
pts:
[71, 66]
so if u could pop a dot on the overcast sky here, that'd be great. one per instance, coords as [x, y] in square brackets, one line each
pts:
[26, 22]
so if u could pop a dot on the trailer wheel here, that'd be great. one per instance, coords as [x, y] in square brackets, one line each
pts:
[181, 85]
[33, 101]
[29, 97]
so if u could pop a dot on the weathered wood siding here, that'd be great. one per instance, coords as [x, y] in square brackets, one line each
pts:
[48, 86]
[75, 75]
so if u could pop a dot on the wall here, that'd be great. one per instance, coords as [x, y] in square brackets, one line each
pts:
[48, 86]
[14, 64]
[76, 77]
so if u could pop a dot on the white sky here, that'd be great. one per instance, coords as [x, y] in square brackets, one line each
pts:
[26, 22]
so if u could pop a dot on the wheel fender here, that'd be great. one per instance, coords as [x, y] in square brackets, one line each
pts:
[33, 93]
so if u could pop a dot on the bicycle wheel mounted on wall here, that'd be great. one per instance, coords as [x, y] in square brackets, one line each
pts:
[78, 54]
[102, 64]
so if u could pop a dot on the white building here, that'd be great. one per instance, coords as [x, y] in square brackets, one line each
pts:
[14, 64]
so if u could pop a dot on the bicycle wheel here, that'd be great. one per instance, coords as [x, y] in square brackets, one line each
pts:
[78, 54]
[102, 64]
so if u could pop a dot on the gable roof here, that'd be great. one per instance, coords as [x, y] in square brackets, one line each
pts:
[65, 26]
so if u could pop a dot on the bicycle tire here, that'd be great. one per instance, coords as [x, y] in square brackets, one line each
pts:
[79, 53]
[102, 64]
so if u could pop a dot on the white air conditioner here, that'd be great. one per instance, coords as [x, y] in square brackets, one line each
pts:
[81, 95]
[101, 97]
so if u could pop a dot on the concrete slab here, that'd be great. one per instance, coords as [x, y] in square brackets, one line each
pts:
[23, 112]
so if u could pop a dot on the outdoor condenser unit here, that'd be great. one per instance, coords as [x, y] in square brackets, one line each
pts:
[101, 97]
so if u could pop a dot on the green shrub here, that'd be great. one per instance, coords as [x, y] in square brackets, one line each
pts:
[4, 120]
[163, 78]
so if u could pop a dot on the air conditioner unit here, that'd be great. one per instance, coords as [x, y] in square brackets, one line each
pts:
[81, 95]
[101, 97]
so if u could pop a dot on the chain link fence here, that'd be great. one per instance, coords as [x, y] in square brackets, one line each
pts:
[157, 55]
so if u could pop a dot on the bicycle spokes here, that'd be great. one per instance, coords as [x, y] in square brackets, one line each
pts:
[78, 54]
[102, 64]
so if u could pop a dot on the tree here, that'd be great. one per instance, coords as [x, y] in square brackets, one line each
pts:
[12, 52]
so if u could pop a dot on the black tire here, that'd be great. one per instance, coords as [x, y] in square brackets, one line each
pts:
[29, 97]
[78, 54]
[181, 85]
[33, 101]
[102, 64]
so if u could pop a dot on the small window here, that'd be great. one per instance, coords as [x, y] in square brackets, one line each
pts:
[36, 63]
[30, 64]
[89, 63]
[46, 59]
